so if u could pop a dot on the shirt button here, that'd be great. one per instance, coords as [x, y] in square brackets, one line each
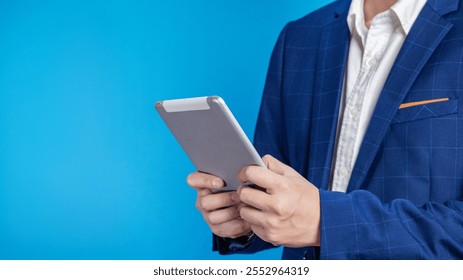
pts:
[343, 172]
[353, 112]
[372, 62]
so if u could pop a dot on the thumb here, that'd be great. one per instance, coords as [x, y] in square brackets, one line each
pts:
[278, 167]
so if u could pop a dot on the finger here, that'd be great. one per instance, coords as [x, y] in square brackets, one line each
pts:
[256, 198]
[217, 201]
[199, 180]
[232, 229]
[278, 167]
[260, 176]
[222, 216]
[252, 215]
[203, 192]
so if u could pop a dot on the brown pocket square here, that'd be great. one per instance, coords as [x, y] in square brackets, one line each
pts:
[417, 103]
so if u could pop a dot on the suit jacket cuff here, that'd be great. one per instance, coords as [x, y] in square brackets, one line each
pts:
[241, 245]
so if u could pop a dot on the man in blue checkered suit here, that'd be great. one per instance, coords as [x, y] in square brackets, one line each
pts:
[402, 195]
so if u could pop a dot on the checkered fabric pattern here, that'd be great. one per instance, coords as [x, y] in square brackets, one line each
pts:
[405, 196]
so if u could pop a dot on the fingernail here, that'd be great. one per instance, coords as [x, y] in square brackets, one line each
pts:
[217, 183]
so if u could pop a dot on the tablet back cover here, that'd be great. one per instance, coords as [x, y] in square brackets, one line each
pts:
[210, 136]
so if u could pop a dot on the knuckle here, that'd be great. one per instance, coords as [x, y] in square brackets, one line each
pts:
[272, 223]
[232, 213]
[212, 219]
[199, 203]
[207, 218]
[272, 238]
[242, 211]
[282, 185]
[219, 231]
[199, 180]
[278, 207]
[247, 173]
[239, 230]
[243, 195]
[207, 182]
[224, 199]
[242, 174]
[242, 227]
[203, 204]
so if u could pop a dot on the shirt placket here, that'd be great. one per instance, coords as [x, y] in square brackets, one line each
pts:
[375, 44]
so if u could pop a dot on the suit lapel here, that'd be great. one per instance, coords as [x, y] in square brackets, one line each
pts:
[424, 37]
[332, 55]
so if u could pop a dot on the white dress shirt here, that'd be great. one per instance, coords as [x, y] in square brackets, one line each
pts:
[372, 53]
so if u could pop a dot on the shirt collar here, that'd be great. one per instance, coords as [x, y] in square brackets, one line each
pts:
[406, 12]
[355, 17]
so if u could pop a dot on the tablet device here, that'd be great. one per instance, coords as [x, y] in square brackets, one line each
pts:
[211, 137]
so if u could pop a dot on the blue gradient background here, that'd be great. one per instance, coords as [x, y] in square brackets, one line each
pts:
[87, 168]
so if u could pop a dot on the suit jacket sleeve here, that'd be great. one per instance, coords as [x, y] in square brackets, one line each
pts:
[358, 225]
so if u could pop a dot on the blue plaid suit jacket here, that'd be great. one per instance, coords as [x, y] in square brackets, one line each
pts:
[405, 196]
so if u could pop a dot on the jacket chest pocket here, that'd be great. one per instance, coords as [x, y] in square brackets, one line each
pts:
[414, 111]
